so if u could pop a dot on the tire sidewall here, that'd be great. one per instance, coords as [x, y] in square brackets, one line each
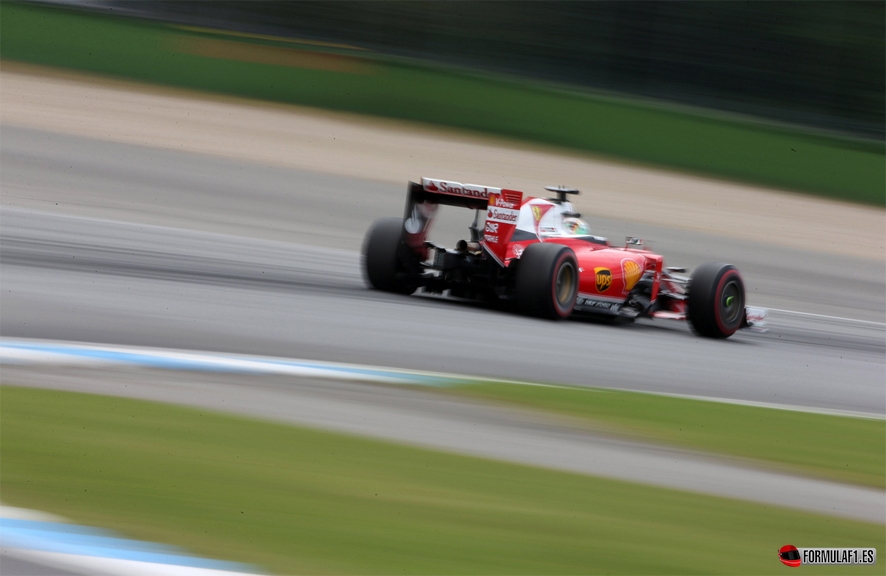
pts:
[381, 256]
[565, 258]
[705, 293]
[728, 275]
[535, 288]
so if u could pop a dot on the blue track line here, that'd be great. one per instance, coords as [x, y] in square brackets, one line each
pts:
[95, 542]
[199, 361]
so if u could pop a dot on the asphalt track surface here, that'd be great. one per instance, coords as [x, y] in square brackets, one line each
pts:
[122, 244]
[125, 244]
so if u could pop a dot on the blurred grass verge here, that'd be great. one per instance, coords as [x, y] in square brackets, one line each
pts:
[356, 81]
[839, 448]
[296, 500]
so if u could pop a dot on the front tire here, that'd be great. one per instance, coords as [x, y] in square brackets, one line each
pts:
[383, 255]
[716, 300]
[546, 283]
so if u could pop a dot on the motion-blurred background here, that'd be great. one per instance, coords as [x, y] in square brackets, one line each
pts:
[786, 94]
[177, 199]
[817, 64]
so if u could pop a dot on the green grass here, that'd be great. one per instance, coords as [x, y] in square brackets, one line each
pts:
[274, 70]
[294, 500]
[840, 448]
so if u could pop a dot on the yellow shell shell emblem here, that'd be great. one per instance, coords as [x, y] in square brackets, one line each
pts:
[632, 272]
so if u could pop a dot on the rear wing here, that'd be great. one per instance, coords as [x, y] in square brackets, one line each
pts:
[502, 209]
[450, 193]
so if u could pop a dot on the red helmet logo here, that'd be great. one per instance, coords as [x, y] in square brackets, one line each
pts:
[789, 556]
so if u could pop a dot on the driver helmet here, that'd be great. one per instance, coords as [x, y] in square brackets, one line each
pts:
[576, 227]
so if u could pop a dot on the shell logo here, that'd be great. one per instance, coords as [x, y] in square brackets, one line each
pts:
[632, 272]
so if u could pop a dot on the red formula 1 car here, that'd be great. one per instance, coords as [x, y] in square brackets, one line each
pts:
[538, 255]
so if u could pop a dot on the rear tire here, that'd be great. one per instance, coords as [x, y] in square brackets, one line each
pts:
[546, 284]
[383, 255]
[716, 300]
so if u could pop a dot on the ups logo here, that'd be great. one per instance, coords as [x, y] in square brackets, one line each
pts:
[603, 277]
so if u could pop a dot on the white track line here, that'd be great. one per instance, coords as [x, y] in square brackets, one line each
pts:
[770, 405]
[877, 324]
[83, 354]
